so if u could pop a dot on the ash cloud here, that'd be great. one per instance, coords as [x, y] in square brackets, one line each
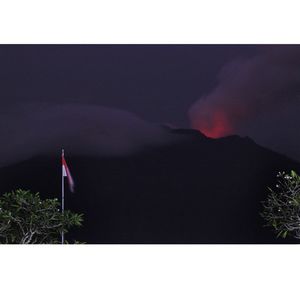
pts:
[43, 129]
[259, 97]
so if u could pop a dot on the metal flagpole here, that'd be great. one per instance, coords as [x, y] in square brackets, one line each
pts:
[62, 195]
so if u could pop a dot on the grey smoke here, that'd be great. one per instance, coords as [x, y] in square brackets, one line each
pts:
[260, 97]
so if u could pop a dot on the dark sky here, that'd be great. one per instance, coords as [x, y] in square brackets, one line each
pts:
[114, 96]
[158, 83]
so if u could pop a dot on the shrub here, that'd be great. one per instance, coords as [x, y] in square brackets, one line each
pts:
[27, 219]
[281, 210]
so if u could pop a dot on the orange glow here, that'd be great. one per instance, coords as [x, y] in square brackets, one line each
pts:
[217, 126]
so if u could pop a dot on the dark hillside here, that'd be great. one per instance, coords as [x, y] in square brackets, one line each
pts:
[198, 190]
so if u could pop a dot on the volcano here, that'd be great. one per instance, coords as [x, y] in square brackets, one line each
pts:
[218, 125]
[194, 190]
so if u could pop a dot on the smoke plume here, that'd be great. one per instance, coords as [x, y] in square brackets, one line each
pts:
[257, 97]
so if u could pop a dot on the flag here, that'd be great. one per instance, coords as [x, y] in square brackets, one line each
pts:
[66, 173]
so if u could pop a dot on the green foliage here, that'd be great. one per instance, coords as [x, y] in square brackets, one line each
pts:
[27, 219]
[281, 210]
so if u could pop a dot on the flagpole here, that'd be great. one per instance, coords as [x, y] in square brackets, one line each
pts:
[62, 196]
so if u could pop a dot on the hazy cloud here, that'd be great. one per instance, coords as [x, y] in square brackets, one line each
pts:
[258, 97]
[29, 130]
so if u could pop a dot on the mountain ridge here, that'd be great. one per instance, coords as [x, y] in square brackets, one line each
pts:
[195, 190]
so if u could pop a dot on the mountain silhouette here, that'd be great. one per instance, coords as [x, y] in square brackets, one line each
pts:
[194, 190]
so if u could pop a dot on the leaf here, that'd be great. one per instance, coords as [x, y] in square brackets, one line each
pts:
[294, 174]
[284, 234]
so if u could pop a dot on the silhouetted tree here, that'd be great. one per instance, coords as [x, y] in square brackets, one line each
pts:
[282, 206]
[27, 219]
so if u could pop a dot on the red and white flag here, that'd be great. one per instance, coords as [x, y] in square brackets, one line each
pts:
[66, 173]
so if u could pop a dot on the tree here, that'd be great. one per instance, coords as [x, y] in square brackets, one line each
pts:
[27, 219]
[281, 210]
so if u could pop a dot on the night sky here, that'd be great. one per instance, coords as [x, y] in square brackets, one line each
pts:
[112, 99]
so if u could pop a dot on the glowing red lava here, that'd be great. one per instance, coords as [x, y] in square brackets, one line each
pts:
[218, 125]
